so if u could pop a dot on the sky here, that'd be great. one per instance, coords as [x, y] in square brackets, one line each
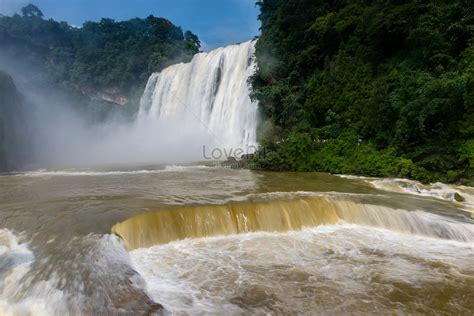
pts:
[216, 22]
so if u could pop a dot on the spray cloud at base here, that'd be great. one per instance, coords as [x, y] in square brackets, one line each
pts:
[185, 107]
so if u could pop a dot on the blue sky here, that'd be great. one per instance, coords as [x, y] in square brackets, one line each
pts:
[216, 22]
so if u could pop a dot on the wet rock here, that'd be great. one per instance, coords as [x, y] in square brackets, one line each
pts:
[459, 198]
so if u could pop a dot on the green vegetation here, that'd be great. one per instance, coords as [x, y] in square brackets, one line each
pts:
[372, 87]
[115, 58]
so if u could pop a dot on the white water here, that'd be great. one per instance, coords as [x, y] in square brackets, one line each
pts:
[329, 269]
[24, 290]
[212, 91]
[437, 190]
[79, 172]
[15, 262]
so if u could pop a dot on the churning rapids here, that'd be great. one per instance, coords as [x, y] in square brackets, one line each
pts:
[202, 239]
[199, 240]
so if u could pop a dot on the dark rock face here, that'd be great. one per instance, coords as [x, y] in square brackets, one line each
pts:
[12, 125]
[112, 95]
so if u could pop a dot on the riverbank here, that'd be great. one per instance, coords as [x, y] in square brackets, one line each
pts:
[351, 156]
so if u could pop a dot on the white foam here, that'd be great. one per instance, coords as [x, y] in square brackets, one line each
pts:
[437, 190]
[69, 173]
[282, 272]
[184, 168]
[15, 262]
[85, 279]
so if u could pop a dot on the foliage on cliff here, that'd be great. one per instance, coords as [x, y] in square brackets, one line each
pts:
[373, 87]
[99, 55]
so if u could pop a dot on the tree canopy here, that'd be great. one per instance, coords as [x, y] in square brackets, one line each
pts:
[379, 87]
[107, 54]
[31, 11]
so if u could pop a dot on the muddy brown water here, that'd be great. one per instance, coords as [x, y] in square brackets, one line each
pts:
[200, 240]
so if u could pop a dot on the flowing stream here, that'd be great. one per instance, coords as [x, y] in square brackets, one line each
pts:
[204, 239]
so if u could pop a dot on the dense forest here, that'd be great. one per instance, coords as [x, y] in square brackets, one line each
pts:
[106, 60]
[371, 87]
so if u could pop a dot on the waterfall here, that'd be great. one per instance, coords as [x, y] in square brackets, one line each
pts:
[212, 91]
[287, 213]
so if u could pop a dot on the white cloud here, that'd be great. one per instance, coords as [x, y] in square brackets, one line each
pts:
[8, 7]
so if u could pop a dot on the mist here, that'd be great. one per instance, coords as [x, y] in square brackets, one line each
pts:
[63, 138]
[68, 141]
[59, 133]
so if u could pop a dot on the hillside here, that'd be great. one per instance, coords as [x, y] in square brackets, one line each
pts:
[106, 61]
[379, 88]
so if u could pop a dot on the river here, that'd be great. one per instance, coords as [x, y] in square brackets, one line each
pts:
[210, 240]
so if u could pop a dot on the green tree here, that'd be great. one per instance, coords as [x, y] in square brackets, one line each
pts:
[108, 55]
[31, 11]
[192, 38]
[394, 75]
